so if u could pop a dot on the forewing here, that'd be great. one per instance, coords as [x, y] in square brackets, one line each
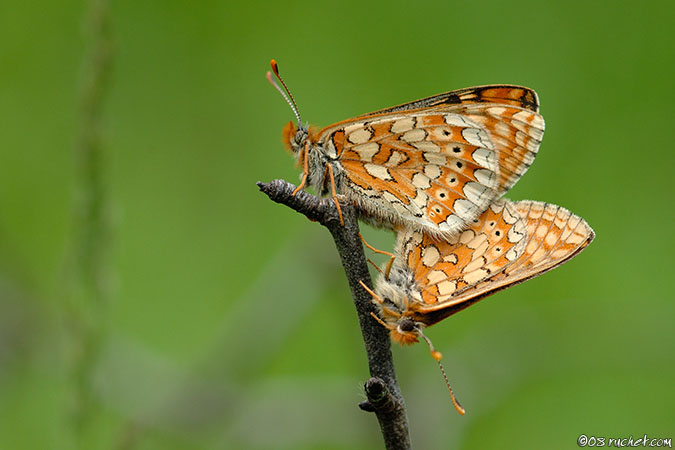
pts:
[509, 114]
[438, 167]
[505, 94]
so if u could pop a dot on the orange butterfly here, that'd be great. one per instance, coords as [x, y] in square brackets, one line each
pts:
[511, 242]
[433, 164]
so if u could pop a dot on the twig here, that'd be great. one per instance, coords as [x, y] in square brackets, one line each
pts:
[382, 391]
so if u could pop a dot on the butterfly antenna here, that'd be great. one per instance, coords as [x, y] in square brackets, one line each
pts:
[438, 356]
[289, 98]
[434, 353]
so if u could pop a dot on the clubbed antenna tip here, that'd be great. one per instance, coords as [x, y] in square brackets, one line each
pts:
[289, 98]
[438, 356]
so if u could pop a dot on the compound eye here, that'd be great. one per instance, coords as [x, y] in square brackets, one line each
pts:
[300, 135]
[406, 325]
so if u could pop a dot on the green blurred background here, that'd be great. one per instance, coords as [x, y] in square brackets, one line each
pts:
[226, 321]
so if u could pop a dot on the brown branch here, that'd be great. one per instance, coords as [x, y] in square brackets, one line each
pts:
[382, 391]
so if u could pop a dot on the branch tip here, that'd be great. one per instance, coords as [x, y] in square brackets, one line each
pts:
[382, 391]
[366, 406]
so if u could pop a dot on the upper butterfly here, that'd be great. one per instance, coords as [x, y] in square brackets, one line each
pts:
[433, 164]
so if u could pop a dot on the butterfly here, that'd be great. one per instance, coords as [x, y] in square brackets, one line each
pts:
[431, 279]
[432, 165]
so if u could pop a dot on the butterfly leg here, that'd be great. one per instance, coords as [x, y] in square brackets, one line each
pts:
[392, 257]
[381, 252]
[329, 168]
[305, 171]
[382, 322]
[379, 300]
[370, 261]
[386, 270]
[389, 264]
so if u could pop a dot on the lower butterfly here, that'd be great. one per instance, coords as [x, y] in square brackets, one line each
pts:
[433, 164]
[431, 279]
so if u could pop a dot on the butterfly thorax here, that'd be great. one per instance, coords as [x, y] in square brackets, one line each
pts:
[314, 156]
[317, 170]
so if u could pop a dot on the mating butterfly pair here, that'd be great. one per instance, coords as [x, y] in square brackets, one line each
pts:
[434, 171]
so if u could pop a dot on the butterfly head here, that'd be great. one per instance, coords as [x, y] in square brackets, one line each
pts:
[397, 314]
[394, 314]
[294, 137]
[404, 330]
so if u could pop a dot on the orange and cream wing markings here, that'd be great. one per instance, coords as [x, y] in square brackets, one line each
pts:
[434, 169]
[432, 164]
[509, 113]
[494, 243]
[425, 168]
[509, 243]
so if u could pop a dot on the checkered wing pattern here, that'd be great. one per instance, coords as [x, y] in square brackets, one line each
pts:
[437, 163]
[509, 243]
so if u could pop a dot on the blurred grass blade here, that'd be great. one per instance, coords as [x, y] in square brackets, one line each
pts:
[88, 265]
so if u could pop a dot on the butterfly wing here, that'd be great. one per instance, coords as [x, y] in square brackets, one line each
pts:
[508, 244]
[437, 163]
[505, 94]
